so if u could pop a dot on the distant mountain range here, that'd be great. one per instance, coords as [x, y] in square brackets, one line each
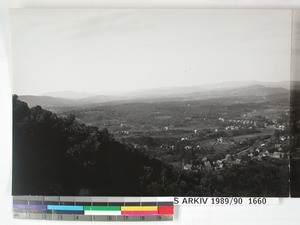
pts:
[162, 91]
[48, 102]
[67, 94]
[230, 89]
[179, 91]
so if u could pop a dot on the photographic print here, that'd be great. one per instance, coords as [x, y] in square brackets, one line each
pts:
[151, 102]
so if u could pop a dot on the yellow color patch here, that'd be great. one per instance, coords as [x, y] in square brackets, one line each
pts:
[138, 208]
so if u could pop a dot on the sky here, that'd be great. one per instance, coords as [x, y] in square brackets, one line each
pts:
[114, 51]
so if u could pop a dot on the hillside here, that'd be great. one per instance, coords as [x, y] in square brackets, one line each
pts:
[46, 101]
[256, 92]
[59, 156]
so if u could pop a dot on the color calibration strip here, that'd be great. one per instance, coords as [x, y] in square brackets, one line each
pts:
[93, 208]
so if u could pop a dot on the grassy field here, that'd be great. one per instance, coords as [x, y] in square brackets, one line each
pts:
[264, 132]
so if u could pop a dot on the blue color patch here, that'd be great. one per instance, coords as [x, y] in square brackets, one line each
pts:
[65, 207]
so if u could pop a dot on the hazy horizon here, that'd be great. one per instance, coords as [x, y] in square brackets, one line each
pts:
[114, 51]
[209, 86]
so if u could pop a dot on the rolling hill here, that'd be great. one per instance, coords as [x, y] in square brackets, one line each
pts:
[231, 90]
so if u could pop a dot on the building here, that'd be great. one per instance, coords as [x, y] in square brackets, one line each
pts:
[278, 155]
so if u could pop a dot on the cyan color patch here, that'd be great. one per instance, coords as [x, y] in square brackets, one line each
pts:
[65, 207]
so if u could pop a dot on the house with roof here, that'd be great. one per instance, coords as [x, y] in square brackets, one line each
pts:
[187, 167]
[278, 155]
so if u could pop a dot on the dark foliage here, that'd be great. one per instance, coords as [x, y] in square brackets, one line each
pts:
[59, 156]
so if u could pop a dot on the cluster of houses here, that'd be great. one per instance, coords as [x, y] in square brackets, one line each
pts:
[216, 165]
[234, 128]
[259, 153]
[221, 140]
[124, 132]
[252, 123]
[205, 165]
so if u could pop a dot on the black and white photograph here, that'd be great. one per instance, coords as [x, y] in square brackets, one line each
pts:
[152, 102]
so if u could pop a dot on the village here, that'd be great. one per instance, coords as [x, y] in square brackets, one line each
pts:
[275, 146]
[268, 149]
[229, 142]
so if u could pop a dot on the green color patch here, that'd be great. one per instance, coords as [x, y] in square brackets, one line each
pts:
[104, 208]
